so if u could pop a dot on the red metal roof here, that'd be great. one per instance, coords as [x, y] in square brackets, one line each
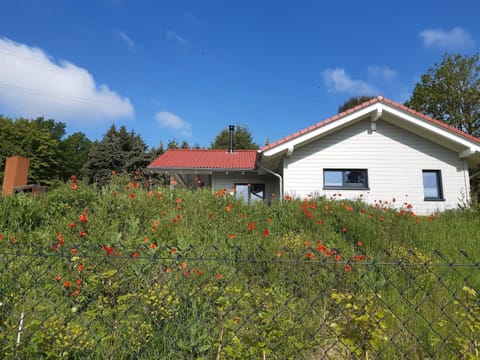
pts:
[364, 105]
[205, 159]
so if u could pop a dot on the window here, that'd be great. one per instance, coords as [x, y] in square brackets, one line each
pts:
[250, 192]
[432, 185]
[345, 179]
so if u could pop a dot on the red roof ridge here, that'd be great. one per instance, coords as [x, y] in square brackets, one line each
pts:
[363, 105]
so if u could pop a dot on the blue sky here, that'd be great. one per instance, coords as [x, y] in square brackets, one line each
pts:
[187, 69]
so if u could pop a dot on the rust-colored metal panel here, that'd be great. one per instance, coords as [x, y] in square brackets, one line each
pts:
[16, 173]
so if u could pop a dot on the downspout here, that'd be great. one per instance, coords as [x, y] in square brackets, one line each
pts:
[280, 179]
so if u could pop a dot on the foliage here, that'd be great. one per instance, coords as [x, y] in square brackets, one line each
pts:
[52, 157]
[352, 102]
[450, 92]
[73, 155]
[242, 139]
[133, 270]
[118, 151]
[26, 138]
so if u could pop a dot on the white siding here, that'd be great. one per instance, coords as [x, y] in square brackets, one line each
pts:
[224, 181]
[394, 159]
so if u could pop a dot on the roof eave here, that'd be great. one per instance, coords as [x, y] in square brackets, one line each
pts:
[198, 170]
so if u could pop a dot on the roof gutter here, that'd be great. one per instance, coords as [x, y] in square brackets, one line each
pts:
[280, 179]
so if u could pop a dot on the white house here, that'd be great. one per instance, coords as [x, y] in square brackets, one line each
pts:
[377, 151]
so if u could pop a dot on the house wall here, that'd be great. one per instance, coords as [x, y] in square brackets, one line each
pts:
[394, 159]
[224, 181]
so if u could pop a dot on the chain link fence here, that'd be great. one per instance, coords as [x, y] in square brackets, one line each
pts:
[107, 303]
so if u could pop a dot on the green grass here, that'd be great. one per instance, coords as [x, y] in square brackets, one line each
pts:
[131, 271]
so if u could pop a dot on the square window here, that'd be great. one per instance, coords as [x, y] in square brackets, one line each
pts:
[432, 185]
[345, 179]
[250, 192]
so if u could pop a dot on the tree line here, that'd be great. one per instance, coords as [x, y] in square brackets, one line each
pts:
[54, 156]
[449, 91]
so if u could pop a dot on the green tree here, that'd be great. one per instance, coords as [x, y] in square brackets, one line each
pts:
[154, 152]
[353, 101]
[450, 92]
[74, 152]
[30, 139]
[118, 151]
[173, 144]
[242, 139]
[55, 128]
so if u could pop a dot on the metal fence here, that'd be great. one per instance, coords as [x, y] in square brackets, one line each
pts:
[237, 305]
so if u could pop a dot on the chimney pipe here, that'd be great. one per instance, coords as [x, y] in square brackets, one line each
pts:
[231, 130]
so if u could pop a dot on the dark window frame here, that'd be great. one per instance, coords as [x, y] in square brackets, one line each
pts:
[439, 184]
[252, 195]
[345, 184]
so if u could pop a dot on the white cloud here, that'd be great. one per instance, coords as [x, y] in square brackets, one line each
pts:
[173, 36]
[128, 41]
[381, 73]
[33, 84]
[457, 38]
[337, 80]
[169, 120]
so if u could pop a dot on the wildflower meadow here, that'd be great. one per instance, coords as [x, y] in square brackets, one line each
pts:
[135, 270]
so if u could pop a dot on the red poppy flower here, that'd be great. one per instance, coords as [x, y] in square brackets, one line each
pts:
[309, 255]
[83, 217]
[251, 225]
[344, 230]
[82, 233]
[231, 236]
[79, 281]
[219, 276]
[108, 250]
[71, 225]
[183, 264]
[132, 196]
[173, 251]
[153, 246]
[199, 272]
[348, 268]
[67, 284]
[135, 255]
[359, 243]
[278, 253]
[134, 184]
[58, 277]
[73, 251]
[265, 232]
[168, 270]
[80, 267]
[319, 222]
[74, 186]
